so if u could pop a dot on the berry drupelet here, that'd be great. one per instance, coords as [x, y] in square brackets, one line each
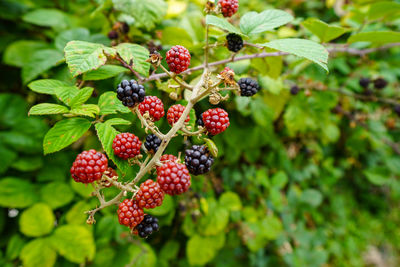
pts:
[198, 160]
[130, 93]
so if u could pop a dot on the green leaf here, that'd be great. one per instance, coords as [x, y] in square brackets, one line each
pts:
[104, 72]
[27, 164]
[81, 97]
[200, 250]
[47, 17]
[302, 48]
[222, 24]
[377, 176]
[84, 56]
[230, 201]
[312, 197]
[47, 108]
[253, 22]
[76, 214]
[383, 9]
[47, 86]
[106, 134]
[212, 147]
[375, 37]
[12, 109]
[14, 247]
[74, 242]
[165, 208]
[271, 227]
[136, 56]
[8, 156]
[19, 53]
[38, 252]
[77, 34]
[279, 180]
[40, 61]
[117, 121]
[110, 104]
[176, 35]
[324, 31]
[56, 194]
[66, 93]
[36, 221]
[64, 133]
[146, 13]
[89, 110]
[17, 193]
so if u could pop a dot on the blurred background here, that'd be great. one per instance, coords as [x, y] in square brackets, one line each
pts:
[305, 179]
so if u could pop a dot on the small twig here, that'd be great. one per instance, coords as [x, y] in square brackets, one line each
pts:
[98, 194]
[126, 65]
[144, 122]
[189, 133]
[173, 76]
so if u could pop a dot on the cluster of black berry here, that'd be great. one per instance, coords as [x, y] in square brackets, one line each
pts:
[379, 84]
[148, 226]
[130, 93]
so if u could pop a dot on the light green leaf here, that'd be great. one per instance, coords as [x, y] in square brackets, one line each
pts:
[47, 108]
[146, 13]
[36, 221]
[253, 22]
[376, 37]
[46, 86]
[104, 72]
[136, 56]
[47, 17]
[279, 180]
[230, 201]
[200, 250]
[84, 56]
[77, 34]
[271, 227]
[212, 147]
[312, 197]
[106, 134]
[324, 31]
[143, 255]
[27, 164]
[19, 53]
[64, 133]
[377, 176]
[17, 193]
[110, 104]
[89, 110]
[76, 214]
[176, 35]
[383, 9]
[74, 242]
[222, 24]
[14, 247]
[38, 252]
[56, 194]
[302, 48]
[40, 61]
[117, 121]
[66, 93]
[81, 97]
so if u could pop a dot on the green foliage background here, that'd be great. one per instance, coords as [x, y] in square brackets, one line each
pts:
[294, 183]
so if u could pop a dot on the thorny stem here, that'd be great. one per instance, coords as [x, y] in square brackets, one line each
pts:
[144, 122]
[126, 65]
[173, 76]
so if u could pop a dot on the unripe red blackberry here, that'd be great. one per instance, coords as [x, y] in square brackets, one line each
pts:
[174, 113]
[215, 120]
[167, 158]
[178, 59]
[228, 7]
[130, 93]
[148, 226]
[198, 160]
[154, 106]
[248, 87]
[89, 166]
[149, 195]
[235, 42]
[173, 178]
[129, 213]
[126, 145]
[380, 83]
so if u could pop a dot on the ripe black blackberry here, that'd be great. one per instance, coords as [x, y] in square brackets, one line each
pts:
[294, 90]
[112, 35]
[152, 143]
[200, 121]
[235, 42]
[380, 83]
[364, 82]
[396, 109]
[130, 93]
[248, 87]
[198, 160]
[148, 226]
